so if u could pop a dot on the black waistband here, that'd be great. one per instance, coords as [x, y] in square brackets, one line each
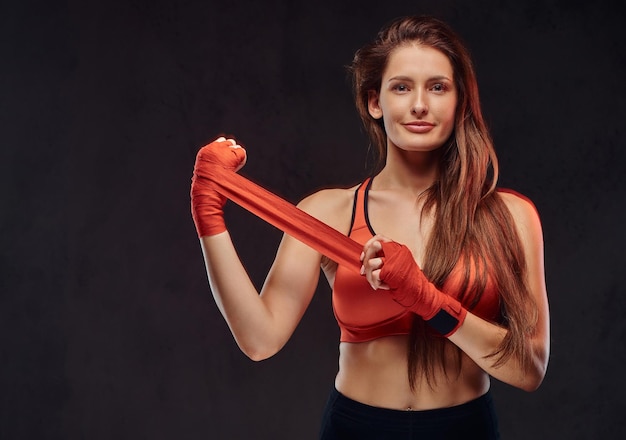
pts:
[439, 416]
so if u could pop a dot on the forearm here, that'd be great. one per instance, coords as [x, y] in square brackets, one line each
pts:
[260, 323]
[247, 316]
[478, 339]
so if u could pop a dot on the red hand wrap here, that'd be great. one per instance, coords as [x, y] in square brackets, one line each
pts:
[214, 178]
[278, 212]
[206, 203]
[411, 289]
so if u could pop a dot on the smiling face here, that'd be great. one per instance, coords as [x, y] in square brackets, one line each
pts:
[417, 98]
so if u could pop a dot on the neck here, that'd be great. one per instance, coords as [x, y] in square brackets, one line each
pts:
[413, 171]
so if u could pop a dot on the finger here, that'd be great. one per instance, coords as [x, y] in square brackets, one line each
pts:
[241, 153]
[373, 282]
[370, 249]
[242, 160]
[374, 245]
[373, 264]
[381, 238]
[380, 284]
[372, 271]
[374, 239]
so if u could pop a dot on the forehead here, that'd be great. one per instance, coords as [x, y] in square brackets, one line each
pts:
[417, 60]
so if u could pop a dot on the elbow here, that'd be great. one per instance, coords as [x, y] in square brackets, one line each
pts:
[259, 346]
[536, 371]
[258, 353]
[534, 378]
[531, 385]
[257, 356]
[528, 383]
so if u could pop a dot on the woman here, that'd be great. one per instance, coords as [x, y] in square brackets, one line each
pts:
[451, 289]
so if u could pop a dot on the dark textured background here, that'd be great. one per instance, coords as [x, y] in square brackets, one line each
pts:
[107, 326]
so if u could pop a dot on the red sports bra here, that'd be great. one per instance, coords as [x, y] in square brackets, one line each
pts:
[364, 314]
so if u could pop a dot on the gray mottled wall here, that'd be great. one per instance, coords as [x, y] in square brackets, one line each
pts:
[107, 325]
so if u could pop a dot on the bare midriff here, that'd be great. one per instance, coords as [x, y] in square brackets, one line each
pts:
[375, 373]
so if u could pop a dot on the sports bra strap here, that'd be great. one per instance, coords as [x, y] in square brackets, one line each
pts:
[358, 209]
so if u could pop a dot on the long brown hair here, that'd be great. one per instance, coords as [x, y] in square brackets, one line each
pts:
[471, 219]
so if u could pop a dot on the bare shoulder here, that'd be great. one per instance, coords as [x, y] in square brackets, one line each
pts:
[332, 206]
[522, 210]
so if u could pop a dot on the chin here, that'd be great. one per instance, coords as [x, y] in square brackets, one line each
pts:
[418, 145]
[421, 147]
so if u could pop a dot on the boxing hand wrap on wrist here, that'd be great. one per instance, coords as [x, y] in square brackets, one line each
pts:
[206, 203]
[206, 208]
[410, 288]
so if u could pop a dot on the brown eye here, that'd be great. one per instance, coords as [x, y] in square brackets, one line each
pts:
[401, 88]
[439, 87]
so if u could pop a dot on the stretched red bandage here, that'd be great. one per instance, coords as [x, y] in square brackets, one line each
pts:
[285, 216]
[409, 286]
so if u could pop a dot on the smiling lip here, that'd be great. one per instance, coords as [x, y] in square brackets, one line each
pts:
[419, 126]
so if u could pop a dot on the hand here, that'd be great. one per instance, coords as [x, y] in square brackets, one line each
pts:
[390, 266]
[206, 203]
[372, 262]
[226, 153]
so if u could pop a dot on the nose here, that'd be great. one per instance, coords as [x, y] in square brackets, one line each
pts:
[420, 107]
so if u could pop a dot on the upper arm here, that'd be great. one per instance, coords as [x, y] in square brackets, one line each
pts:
[530, 233]
[293, 277]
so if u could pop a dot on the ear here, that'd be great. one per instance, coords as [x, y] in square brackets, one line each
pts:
[373, 104]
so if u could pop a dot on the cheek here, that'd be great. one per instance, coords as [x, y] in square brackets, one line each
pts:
[392, 111]
[447, 118]
[448, 113]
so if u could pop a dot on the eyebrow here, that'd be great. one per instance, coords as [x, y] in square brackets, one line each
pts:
[406, 78]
